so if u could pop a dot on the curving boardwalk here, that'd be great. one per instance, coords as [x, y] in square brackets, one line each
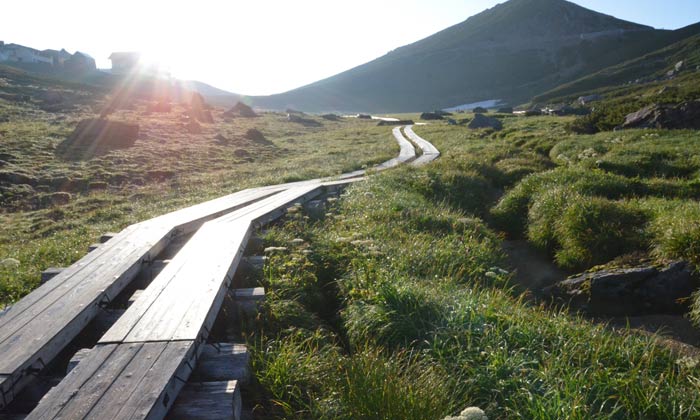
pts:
[137, 368]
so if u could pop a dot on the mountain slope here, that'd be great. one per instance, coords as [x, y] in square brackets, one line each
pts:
[647, 68]
[512, 51]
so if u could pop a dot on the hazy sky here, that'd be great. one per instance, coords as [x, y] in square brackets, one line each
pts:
[267, 46]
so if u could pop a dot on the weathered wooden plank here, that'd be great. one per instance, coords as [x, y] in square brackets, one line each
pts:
[208, 401]
[430, 152]
[124, 383]
[223, 362]
[156, 392]
[138, 380]
[59, 309]
[66, 391]
[107, 236]
[50, 273]
[174, 306]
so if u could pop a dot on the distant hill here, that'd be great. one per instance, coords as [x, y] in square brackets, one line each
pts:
[511, 52]
[213, 95]
[647, 68]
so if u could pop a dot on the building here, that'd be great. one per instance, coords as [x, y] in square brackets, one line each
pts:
[124, 62]
[20, 54]
[80, 62]
[58, 58]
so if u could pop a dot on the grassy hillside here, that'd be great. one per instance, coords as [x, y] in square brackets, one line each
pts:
[643, 69]
[54, 206]
[402, 303]
[511, 52]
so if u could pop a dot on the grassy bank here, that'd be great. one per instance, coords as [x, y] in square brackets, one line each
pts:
[397, 305]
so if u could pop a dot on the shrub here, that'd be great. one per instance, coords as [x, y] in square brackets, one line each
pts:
[594, 230]
[545, 212]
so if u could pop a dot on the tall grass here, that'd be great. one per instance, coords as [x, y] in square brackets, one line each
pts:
[415, 341]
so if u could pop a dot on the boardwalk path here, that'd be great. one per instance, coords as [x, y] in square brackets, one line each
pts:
[138, 366]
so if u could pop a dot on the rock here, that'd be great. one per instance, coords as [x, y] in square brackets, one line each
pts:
[469, 413]
[240, 110]
[257, 136]
[683, 116]
[193, 127]
[533, 112]
[199, 109]
[399, 122]
[241, 153]
[631, 291]
[482, 121]
[451, 121]
[364, 117]
[306, 122]
[584, 100]
[480, 110]
[330, 117]
[505, 110]
[96, 136]
[51, 97]
[428, 116]
[60, 198]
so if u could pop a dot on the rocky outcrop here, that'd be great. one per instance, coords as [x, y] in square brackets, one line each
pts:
[240, 110]
[482, 121]
[632, 291]
[682, 116]
[428, 116]
[96, 136]
[257, 136]
[199, 109]
[397, 122]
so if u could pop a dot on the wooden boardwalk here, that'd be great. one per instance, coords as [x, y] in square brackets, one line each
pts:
[138, 367]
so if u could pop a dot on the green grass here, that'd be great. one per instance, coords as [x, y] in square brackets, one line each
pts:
[168, 168]
[424, 323]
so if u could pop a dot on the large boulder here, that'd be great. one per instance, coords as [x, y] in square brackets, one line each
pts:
[630, 291]
[96, 136]
[682, 116]
[482, 121]
[240, 110]
[383, 123]
[428, 116]
[199, 109]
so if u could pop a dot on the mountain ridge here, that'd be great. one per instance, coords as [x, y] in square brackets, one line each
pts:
[550, 42]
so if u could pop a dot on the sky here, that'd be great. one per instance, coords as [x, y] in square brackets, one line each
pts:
[260, 47]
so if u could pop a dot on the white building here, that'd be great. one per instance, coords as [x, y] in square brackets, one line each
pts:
[21, 54]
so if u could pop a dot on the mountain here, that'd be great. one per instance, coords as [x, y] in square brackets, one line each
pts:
[213, 95]
[512, 51]
[650, 67]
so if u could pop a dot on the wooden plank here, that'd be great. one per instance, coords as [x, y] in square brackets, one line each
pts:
[66, 391]
[175, 306]
[208, 401]
[126, 381]
[217, 362]
[63, 306]
[223, 362]
[156, 392]
[50, 273]
[430, 152]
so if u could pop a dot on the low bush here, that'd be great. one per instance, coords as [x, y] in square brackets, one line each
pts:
[594, 230]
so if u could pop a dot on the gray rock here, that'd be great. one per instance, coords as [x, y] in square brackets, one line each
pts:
[482, 121]
[682, 116]
[632, 291]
